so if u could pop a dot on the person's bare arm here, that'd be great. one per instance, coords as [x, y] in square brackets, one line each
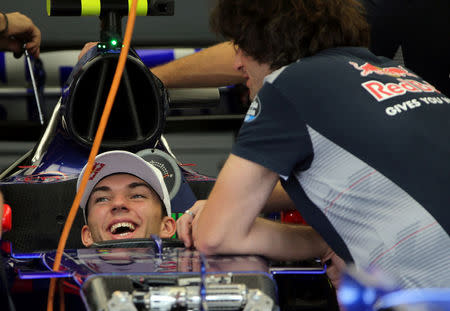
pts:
[87, 46]
[228, 223]
[211, 67]
[19, 30]
[278, 201]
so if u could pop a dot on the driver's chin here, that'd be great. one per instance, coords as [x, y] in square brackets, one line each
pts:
[139, 233]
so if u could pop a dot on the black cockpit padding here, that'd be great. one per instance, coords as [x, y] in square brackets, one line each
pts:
[201, 189]
[39, 212]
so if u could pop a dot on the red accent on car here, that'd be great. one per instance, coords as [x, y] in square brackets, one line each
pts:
[292, 217]
[6, 218]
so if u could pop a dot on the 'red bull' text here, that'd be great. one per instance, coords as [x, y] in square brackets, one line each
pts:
[382, 91]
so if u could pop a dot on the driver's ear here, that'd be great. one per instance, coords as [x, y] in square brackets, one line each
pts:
[168, 227]
[86, 236]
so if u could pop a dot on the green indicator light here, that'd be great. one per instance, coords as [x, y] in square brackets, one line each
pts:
[113, 42]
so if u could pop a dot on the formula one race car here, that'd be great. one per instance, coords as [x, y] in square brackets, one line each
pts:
[147, 274]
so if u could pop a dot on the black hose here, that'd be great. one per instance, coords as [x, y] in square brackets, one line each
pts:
[4, 289]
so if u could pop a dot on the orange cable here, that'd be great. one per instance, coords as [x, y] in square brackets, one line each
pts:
[62, 304]
[94, 150]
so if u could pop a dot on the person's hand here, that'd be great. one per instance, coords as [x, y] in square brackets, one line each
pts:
[335, 267]
[86, 48]
[184, 223]
[20, 30]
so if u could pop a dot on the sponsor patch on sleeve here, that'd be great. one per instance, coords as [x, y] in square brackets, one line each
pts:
[253, 111]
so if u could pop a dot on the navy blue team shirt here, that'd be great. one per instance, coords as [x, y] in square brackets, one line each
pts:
[362, 146]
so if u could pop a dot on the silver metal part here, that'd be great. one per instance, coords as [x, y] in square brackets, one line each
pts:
[33, 82]
[46, 138]
[258, 301]
[211, 279]
[121, 301]
[218, 296]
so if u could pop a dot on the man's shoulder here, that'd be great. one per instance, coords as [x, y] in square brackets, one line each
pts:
[334, 64]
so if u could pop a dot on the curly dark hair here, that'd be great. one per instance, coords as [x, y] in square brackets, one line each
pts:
[278, 32]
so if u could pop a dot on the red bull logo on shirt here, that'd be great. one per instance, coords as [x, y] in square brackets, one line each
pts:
[382, 91]
[397, 72]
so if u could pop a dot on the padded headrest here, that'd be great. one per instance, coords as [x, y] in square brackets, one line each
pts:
[138, 114]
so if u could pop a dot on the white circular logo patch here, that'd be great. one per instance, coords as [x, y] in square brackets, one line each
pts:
[253, 111]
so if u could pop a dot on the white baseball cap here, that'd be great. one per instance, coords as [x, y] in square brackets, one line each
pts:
[119, 161]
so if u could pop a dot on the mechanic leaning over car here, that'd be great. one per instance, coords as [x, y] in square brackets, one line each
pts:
[15, 30]
[125, 198]
[359, 143]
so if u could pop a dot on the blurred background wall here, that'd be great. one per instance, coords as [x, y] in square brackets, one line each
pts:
[188, 27]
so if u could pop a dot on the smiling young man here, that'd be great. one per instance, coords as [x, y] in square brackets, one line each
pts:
[359, 143]
[125, 198]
